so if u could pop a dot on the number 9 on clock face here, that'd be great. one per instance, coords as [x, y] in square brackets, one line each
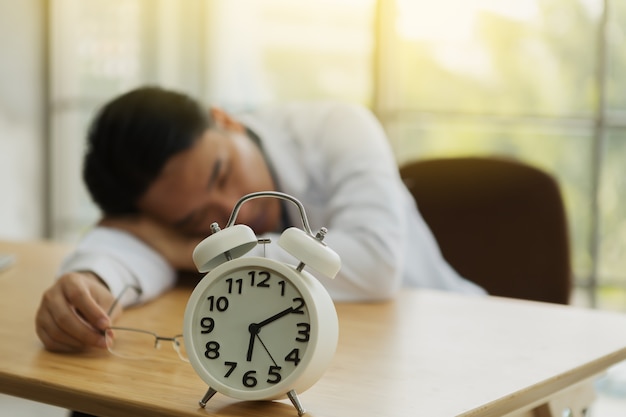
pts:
[256, 328]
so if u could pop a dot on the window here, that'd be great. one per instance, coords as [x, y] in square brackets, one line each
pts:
[525, 79]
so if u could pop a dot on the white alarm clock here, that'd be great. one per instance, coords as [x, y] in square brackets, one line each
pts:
[256, 328]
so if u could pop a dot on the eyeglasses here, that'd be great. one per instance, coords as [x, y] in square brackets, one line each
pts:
[131, 343]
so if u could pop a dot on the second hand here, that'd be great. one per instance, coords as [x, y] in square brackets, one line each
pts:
[265, 347]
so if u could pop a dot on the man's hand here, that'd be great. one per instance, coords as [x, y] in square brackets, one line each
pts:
[175, 246]
[73, 313]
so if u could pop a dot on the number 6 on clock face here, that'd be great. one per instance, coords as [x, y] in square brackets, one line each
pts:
[256, 329]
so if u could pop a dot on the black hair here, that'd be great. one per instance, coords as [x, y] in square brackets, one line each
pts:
[131, 139]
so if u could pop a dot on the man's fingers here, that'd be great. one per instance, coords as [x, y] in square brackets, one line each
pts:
[57, 339]
[69, 319]
[80, 298]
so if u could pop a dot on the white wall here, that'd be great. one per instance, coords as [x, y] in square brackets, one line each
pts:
[21, 87]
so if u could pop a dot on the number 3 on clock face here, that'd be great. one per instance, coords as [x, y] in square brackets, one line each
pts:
[252, 329]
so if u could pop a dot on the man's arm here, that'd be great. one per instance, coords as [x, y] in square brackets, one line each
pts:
[174, 246]
[121, 259]
[73, 312]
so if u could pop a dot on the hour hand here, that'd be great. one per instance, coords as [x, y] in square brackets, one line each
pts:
[254, 330]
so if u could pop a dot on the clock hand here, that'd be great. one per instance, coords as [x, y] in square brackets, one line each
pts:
[265, 347]
[255, 328]
[253, 332]
[274, 318]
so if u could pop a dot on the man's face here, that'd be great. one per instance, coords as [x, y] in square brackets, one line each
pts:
[201, 185]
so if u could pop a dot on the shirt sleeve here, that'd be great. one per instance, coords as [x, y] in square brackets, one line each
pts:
[120, 260]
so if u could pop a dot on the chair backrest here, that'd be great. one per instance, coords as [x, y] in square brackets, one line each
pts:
[499, 222]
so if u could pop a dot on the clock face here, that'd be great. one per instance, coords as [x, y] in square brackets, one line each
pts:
[248, 328]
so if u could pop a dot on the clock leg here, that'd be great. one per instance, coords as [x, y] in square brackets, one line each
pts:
[293, 397]
[210, 393]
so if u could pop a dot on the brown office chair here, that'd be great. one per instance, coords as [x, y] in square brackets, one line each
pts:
[499, 222]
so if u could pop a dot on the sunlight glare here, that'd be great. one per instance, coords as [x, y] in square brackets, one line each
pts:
[453, 20]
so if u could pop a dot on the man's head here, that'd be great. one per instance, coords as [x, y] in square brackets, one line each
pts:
[159, 153]
[131, 139]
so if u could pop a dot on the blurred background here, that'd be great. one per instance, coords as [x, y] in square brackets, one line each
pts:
[543, 81]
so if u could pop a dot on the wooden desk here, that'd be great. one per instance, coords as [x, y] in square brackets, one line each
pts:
[426, 354]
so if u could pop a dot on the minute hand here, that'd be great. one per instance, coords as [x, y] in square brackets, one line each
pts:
[274, 317]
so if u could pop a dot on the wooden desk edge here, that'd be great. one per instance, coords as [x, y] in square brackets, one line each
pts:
[54, 394]
[523, 400]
